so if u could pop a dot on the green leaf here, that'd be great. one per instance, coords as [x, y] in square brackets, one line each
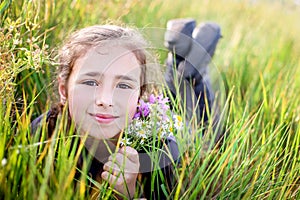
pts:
[4, 5]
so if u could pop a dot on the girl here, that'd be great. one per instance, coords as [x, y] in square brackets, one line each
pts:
[101, 77]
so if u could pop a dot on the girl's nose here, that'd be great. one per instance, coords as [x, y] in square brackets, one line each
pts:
[103, 97]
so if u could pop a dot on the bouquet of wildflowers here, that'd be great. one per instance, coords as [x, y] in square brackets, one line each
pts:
[152, 121]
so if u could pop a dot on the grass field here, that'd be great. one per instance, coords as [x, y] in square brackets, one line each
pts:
[257, 63]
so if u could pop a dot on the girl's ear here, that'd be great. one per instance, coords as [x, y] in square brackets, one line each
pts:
[62, 89]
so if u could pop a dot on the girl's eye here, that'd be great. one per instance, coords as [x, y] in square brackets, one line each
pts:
[90, 83]
[124, 86]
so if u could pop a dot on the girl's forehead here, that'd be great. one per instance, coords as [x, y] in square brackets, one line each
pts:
[107, 59]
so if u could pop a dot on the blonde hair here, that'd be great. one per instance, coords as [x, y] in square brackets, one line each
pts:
[84, 39]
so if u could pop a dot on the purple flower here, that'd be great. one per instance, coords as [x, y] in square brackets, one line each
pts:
[159, 99]
[152, 99]
[163, 102]
[143, 110]
[137, 115]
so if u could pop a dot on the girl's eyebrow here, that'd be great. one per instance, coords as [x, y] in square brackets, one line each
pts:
[93, 74]
[122, 77]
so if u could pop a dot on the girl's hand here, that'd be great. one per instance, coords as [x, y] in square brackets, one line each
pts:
[121, 171]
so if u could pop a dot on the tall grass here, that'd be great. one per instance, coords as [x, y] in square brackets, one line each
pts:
[257, 62]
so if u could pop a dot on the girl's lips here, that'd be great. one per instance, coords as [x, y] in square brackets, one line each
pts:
[104, 118]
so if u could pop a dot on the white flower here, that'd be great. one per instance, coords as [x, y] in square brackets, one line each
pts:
[178, 122]
[138, 123]
[4, 162]
[142, 141]
[164, 133]
[125, 142]
[142, 133]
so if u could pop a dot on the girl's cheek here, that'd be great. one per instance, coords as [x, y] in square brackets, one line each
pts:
[133, 105]
[77, 99]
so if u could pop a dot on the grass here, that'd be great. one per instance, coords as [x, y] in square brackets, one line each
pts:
[256, 65]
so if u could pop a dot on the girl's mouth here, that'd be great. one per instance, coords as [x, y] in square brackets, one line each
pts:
[104, 118]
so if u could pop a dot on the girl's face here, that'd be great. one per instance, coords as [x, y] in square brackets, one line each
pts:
[103, 91]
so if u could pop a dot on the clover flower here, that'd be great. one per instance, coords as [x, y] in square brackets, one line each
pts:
[152, 121]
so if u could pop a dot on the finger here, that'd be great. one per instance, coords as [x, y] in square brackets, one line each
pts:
[112, 168]
[122, 164]
[130, 153]
[124, 157]
[127, 160]
[117, 174]
[117, 158]
[111, 179]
